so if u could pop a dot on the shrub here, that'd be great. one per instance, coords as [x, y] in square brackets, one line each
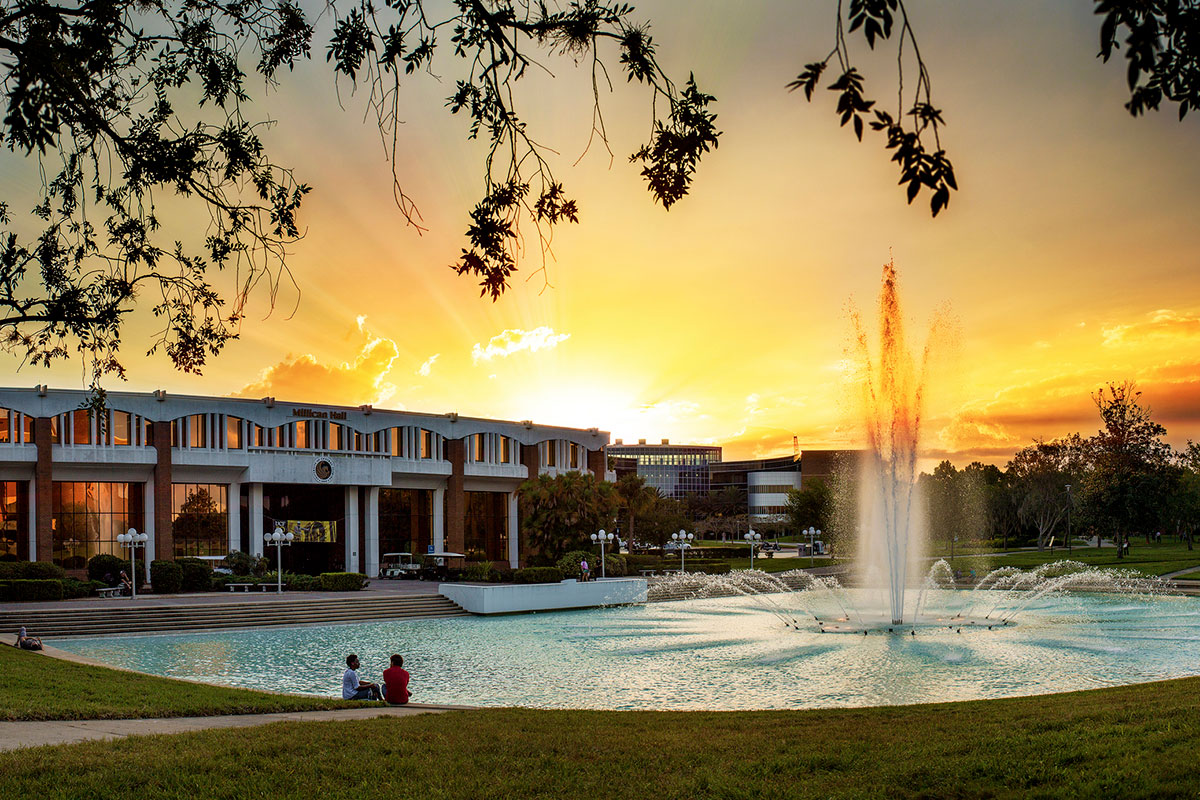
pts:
[107, 568]
[502, 575]
[478, 571]
[538, 575]
[301, 583]
[569, 564]
[240, 563]
[711, 568]
[30, 570]
[31, 589]
[342, 581]
[73, 588]
[166, 577]
[614, 565]
[197, 577]
[219, 582]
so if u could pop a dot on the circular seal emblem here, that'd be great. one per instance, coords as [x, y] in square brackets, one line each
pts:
[323, 469]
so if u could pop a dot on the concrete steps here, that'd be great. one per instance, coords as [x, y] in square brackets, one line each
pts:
[94, 620]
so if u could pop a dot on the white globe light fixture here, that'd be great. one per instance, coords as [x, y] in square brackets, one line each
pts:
[603, 538]
[279, 539]
[753, 538]
[813, 533]
[683, 537]
[132, 540]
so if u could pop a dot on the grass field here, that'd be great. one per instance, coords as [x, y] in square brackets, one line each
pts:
[1149, 559]
[35, 686]
[1129, 742]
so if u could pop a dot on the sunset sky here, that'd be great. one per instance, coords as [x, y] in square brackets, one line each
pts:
[1070, 257]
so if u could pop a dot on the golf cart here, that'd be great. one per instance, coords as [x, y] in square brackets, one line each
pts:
[398, 565]
[436, 566]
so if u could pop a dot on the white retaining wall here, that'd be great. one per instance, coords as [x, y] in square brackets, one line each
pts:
[545, 596]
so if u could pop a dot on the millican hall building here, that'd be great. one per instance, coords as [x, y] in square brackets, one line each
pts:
[206, 475]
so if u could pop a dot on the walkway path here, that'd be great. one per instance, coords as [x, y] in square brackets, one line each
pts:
[14, 735]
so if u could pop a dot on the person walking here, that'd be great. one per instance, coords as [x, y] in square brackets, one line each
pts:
[583, 570]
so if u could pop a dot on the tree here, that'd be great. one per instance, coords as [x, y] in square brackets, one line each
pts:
[1127, 454]
[635, 498]
[560, 513]
[124, 103]
[1039, 474]
[811, 506]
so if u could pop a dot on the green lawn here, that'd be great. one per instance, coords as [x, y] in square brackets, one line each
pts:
[1149, 559]
[1129, 742]
[35, 686]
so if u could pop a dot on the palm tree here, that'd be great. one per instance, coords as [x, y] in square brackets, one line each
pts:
[637, 499]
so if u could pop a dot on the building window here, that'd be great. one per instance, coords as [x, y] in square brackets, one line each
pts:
[426, 444]
[81, 427]
[405, 521]
[505, 450]
[397, 440]
[27, 424]
[197, 430]
[337, 436]
[5, 436]
[122, 426]
[86, 518]
[551, 453]
[485, 534]
[233, 433]
[479, 447]
[200, 519]
[574, 456]
[303, 439]
[14, 518]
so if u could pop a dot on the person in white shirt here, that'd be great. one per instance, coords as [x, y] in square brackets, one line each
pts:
[352, 687]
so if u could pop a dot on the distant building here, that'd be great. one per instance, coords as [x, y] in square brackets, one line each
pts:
[680, 470]
[676, 470]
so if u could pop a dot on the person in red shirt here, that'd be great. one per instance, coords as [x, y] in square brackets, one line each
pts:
[395, 682]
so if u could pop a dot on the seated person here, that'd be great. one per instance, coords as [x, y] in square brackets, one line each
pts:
[395, 682]
[27, 642]
[352, 687]
[126, 584]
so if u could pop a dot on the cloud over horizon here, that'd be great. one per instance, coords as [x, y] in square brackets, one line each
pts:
[354, 382]
[514, 340]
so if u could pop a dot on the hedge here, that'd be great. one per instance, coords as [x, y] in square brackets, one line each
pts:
[106, 567]
[31, 589]
[166, 577]
[538, 575]
[196, 576]
[30, 570]
[342, 581]
[73, 588]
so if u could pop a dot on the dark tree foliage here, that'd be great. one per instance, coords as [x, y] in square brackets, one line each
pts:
[125, 104]
[1162, 47]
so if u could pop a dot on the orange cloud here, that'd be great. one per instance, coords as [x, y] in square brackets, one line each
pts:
[1161, 324]
[354, 382]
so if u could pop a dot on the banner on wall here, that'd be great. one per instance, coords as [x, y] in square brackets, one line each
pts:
[308, 530]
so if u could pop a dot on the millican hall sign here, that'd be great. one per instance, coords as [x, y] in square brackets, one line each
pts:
[312, 413]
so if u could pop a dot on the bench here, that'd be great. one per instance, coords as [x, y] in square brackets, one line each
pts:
[648, 571]
[111, 591]
[245, 587]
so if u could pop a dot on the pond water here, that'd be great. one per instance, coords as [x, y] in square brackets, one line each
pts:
[698, 654]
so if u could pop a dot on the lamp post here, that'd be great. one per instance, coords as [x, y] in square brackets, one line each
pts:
[813, 533]
[753, 538]
[278, 538]
[133, 540]
[602, 538]
[683, 537]
[1068, 518]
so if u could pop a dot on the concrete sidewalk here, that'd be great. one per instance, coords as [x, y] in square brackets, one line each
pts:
[15, 735]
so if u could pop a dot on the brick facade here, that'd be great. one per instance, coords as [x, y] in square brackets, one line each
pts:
[44, 488]
[456, 498]
[164, 539]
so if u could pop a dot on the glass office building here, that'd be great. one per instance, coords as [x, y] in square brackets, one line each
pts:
[676, 470]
